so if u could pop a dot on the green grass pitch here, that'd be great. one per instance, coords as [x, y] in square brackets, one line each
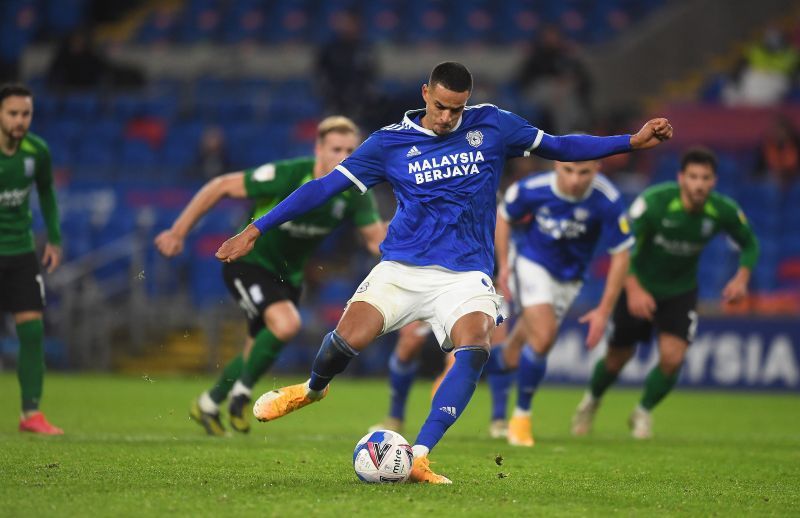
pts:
[130, 449]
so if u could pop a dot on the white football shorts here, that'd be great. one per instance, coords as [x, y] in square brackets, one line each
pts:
[531, 284]
[404, 293]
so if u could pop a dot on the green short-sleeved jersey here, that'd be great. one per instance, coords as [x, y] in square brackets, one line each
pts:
[18, 173]
[669, 239]
[285, 250]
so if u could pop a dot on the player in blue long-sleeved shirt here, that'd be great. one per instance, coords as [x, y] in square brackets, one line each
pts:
[444, 163]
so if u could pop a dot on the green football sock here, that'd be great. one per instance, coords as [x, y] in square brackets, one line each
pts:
[601, 379]
[265, 351]
[656, 387]
[229, 375]
[30, 363]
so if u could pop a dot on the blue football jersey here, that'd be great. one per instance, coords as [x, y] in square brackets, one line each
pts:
[563, 232]
[445, 185]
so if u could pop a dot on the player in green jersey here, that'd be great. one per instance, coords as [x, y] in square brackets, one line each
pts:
[672, 223]
[25, 161]
[267, 282]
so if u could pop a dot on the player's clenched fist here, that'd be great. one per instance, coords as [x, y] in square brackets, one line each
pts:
[239, 245]
[169, 243]
[652, 133]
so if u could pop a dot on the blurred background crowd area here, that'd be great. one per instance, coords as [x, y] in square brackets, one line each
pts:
[141, 102]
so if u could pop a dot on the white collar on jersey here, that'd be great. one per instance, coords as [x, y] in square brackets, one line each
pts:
[565, 196]
[408, 121]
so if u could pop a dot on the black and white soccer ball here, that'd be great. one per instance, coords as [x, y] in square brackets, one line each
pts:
[382, 456]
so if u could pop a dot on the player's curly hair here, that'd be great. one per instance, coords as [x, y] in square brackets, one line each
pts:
[699, 155]
[12, 89]
[451, 75]
[335, 124]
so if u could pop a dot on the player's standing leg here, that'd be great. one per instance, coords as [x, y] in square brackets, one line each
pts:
[471, 335]
[360, 324]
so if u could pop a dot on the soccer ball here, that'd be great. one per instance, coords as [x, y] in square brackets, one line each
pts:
[382, 456]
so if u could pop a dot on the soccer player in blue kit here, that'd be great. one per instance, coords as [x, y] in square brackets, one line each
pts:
[444, 163]
[562, 216]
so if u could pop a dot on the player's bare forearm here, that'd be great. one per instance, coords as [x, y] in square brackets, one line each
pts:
[239, 245]
[230, 185]
[617, 273]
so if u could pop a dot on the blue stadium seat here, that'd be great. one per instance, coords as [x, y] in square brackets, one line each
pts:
[137, 153]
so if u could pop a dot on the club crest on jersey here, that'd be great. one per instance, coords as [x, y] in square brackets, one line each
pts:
[581, 214]
[30, 166]
[413, 152]
[475, 138]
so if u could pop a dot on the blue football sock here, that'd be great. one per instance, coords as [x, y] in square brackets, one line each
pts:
[401, 376]
[333, 356]
[532, 368]
[500, 386]
[453, 395]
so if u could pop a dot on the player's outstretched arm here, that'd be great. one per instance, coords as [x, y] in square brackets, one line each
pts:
[170, 241]
[598, 317]
[577, 148]
[306, 198]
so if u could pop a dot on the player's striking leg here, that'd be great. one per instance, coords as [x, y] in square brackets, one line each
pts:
[360, 325]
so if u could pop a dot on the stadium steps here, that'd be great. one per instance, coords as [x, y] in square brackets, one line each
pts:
[184, 352]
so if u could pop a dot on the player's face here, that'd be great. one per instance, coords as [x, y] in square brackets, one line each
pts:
[333, 148]
[15, 116]
[574, 178]
[696, 182]
[443, 108]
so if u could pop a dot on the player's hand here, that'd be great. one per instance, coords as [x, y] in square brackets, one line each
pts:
[641, 304]
[734, 291]
[652, 134]
[239, 245]
[597, 320]
[502, 282]
[51, 258]
[169, 243]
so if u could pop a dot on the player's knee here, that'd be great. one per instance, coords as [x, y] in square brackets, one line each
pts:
[542, 341]
[285, 329]
[670, 363]
[617, 357]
